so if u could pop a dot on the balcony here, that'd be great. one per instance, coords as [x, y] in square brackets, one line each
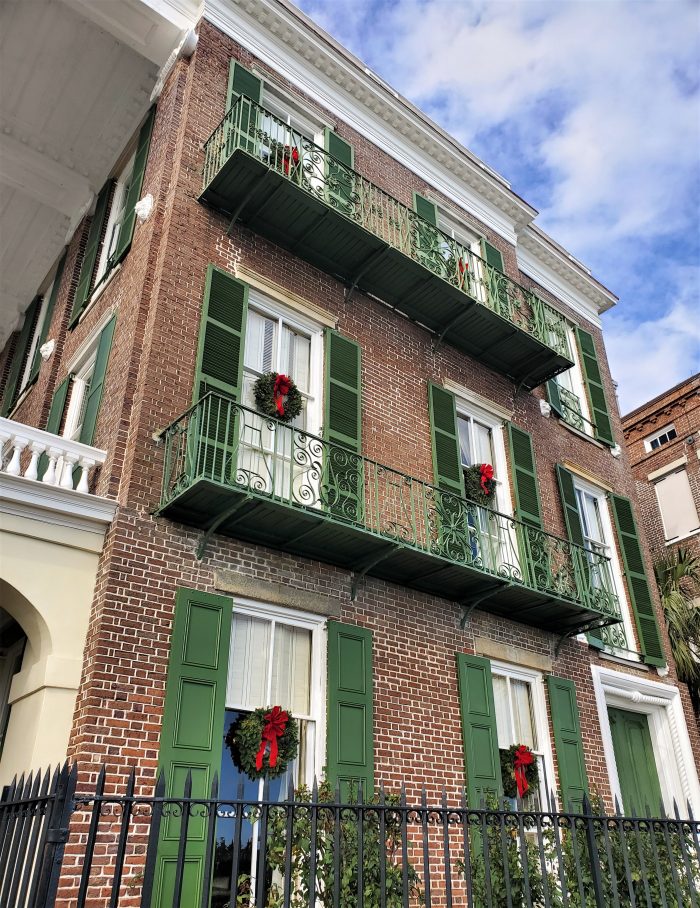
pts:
[283, 186]
[232, 471]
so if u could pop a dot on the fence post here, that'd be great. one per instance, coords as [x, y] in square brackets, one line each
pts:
[596, 877]
[56, 837]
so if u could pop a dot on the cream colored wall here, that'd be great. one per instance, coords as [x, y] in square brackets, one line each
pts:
[47, 580]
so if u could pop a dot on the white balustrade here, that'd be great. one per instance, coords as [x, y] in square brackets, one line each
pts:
[49, 459]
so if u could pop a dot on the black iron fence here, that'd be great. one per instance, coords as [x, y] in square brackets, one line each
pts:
[111, 846]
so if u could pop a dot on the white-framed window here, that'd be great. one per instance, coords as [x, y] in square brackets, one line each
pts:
[115, 218]
[660, 438]
[679, 514]
[599, 539]
[78, 395]
[277, 657]
[521, 718]
[481, 440]
[36, 334]
[575, 409]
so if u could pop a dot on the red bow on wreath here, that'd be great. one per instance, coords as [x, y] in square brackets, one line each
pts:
[486, 471]
[287, 156]
[283, 383]
[275, 724]
[523, 758]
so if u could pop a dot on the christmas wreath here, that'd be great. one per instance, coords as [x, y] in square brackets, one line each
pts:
[479, 484]
[277, 395]
[263, 742]
[519, 771]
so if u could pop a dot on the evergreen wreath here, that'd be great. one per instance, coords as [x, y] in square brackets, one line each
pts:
[531, 771]
[479, 484]
[244, 740]
[276, 395]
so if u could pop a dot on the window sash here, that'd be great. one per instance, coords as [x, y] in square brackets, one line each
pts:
[678, 510]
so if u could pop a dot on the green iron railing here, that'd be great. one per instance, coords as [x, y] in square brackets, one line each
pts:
[572, 412]
[249, 127]
[226, 443]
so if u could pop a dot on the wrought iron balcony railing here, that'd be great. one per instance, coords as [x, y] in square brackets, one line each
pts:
[370, 517]
[286, 158]
[572, 412]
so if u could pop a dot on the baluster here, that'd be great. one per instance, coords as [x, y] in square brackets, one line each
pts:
[50, 474]
[86, 464]
[13, 467]
[37, 448]
[5, 436]
[69, 462]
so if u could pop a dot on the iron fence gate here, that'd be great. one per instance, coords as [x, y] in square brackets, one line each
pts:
[112, 846]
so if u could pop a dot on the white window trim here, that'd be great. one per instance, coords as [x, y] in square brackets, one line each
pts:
[579, 387]
[616, 568]
[31, 350]
[669, 733]
[77, 393]
[466, 407]
[316, 624]
[659, 432]
[673, 540]
[118, 199]
[539, 707]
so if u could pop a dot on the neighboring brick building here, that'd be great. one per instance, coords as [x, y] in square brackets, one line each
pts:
[663, 444]
[326, 229]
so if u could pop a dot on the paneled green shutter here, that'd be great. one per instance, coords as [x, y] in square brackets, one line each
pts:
[192, 730]
[82, 294]
[636, 580]
[481, 757]
[554, 397]
[48, 315]
[350, 752]
[573, 781]
[491, 255]
[344, 475]
[340, 182]
[426, 209]
[53, 423]
[243, 84]
[527, 491]
[87, 433]
[12, 388]
[447, 463]
[126, 231]
[594, 387]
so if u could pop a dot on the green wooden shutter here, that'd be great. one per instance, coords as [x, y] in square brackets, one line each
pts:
[447, 463]
[636, 580]
[350, 752]
[570, 505]
[192, 730]
[92, 248]
[425, 208]
[573, 781]
[53, 423]
[344, 475]
[243, 85]
[126, 231]
[12, 388]
[242, 81]
[527, 490]
[87, 432]
[491, 255]
[554, 397]
[340, 181]
[48, 315]
[478, 711]
[594, 387]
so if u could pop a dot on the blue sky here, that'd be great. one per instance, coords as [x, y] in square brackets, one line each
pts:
[591, 110]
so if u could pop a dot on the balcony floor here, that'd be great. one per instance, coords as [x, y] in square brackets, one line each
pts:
[275, 207]
[310, 532]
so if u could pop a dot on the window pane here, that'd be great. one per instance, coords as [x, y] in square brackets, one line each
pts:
[484, 446]
[291, 669]
[249, 662]
[678, 510]
[464, 441]
[522, 714]
[296, 358]
[500, 695]
[259, 342]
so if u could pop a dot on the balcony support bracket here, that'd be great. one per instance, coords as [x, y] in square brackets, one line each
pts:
[372, 259]
[360, 571]
[469, 606]
[217, 522]
[450, 325]
[567, 636]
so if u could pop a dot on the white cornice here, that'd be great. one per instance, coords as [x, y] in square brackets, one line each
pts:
[23, 497]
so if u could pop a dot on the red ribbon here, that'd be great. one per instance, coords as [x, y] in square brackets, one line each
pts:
[486, 471]
[287, 157]
[275, 724]
[523, 758]
[283, 385]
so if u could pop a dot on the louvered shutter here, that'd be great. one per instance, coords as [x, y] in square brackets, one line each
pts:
[48, 315]
[479, 732]
[244, 90]
[350, 751]
[554, 397]
[573, 781]
[94, 399]
[636, 581]
[594, 387]
[447, 463]
[92, 248]
[340, 180]
[19, 361]
[344, 472]
[126, 231]
[526, 486]
[426, 209]
[53, 423]
[491, 255]
[192, 731]
[242, 81]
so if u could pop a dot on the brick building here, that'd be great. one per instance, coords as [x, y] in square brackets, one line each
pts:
[663, 443]
[297, 216]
